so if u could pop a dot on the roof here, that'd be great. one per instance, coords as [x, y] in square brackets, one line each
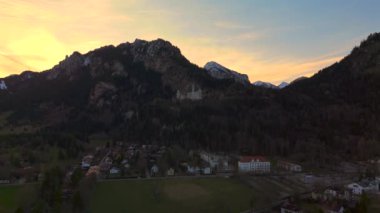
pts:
[246, 159]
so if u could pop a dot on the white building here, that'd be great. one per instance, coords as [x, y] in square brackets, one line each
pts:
[194, 94]
[3, 86]
[368, 186]
[114, 170]
[289, 166]
[219, 162]
[86, 161]
[207, 171]
[255, 164]
[355, 188]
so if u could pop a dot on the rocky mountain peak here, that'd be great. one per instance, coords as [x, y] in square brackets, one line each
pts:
[156, 48]
[68, 66]
[220, 72]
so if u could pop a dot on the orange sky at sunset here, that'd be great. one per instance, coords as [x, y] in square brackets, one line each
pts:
[37, 34]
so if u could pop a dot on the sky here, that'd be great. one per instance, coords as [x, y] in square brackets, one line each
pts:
[269, 40]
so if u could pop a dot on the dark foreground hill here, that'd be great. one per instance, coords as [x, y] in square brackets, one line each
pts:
[147, 92]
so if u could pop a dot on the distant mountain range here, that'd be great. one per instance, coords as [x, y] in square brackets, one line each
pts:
[269, 85]
[148, 92]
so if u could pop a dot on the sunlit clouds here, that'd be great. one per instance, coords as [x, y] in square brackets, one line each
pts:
[267, 41]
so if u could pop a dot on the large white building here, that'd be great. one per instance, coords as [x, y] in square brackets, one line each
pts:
[256, 164]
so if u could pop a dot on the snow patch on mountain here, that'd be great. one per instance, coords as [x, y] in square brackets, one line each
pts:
[269, 85]
[265, 85]
[283, 85]
[220, 72]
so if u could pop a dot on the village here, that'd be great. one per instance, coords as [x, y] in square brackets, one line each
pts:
[334, 192]
[330, 193]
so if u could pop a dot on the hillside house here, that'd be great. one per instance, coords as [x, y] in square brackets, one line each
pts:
[255, 164]
[288, 166]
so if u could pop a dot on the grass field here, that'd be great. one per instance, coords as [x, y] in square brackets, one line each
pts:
[11, 197]
[174, 195]
[273, 189]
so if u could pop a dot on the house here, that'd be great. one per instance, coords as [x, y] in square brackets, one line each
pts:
[170, 172]
[219, 162]
[331, 193]
[114, 171]
[93, 171]
[256, 164]
[292, 167]
[206, 171]
[355, 188]
[154, 170]
[193, 170]
[5, 181]
[86, 161]
[290, 208]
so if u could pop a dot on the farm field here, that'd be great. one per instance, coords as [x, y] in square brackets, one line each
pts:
[184, 195]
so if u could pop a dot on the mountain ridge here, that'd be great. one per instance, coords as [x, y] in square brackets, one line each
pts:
[150, 93]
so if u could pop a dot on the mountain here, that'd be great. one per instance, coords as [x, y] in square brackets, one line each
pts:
[264, 85]
[147, 92]
[269, 85]
[220, 72]
[283, 85]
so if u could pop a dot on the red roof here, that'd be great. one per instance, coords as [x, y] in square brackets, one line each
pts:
[246, 159]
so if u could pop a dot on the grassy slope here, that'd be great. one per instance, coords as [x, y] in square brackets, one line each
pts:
[186, 195]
